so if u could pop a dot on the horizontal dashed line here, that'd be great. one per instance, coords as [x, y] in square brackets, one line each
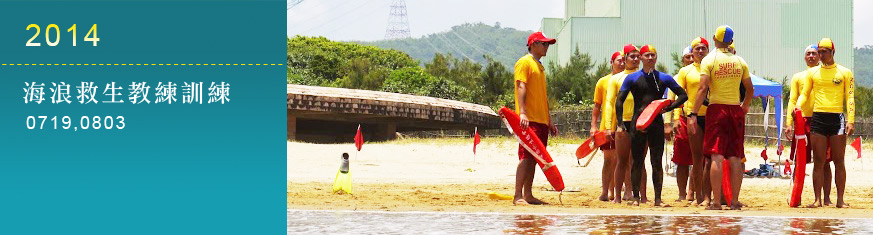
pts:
[141, 64]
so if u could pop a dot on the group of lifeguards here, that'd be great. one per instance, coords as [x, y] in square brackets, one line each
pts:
[707, 130]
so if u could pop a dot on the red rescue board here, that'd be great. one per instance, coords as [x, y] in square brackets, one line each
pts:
[651, 112]
[529, 140]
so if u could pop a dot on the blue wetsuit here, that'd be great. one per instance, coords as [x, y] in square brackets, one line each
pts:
[648, 87]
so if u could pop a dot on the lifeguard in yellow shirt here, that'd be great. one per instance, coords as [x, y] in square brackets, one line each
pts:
[812, 60]
[721, 73]
[831, 89]
[623, 139]
[617, 63]
[690, 151]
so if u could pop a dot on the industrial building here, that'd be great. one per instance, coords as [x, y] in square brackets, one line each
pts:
[769, 34]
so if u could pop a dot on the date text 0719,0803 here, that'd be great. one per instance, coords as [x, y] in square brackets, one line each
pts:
[66, 123]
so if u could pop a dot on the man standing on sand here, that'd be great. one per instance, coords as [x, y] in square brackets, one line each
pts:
[691, 152]
[648, 85]
[812, 60]
[623, 139]
[617, 62]
[831, 88]
[532, 106]
[689, 79]
[721, 74]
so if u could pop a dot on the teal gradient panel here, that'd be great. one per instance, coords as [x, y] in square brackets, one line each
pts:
[175, 168]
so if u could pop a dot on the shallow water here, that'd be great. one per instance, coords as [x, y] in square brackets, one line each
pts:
[360, 222]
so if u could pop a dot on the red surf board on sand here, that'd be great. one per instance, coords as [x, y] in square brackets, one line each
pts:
[651, 112]
[799, 159]
[529, 140]
[590, 145]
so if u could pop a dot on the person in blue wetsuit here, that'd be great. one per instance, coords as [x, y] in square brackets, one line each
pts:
[648, 85]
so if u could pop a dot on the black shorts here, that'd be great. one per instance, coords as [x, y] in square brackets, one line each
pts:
[628, 126]
[701, 122]
[828, 124]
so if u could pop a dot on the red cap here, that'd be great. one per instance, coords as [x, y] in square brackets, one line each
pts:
[539, 37]
[614, 55]
[699, 40]
[648, 48]
[630, 47]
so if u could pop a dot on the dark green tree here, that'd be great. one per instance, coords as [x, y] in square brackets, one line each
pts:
[572, 83]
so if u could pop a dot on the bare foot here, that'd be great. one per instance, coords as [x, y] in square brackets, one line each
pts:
[815, 204]
[611, 197]
[702, 202]
[636, 203]
[713, 206]
[519, 201]
[827, 202]
[535, 201]
[737, 206]
[644, 200]
[690, 197]
[603, 198]
[681, 196]
[616, 200]
[658, 203]
[841, 204]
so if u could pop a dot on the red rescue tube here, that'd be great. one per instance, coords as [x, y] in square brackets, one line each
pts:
[651, 112]
[534, 146]
[591, 144]
[799, 159]
[726, 181]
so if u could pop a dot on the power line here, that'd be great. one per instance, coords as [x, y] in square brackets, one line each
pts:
[356, 21]
[447, 41]
[468, 43]
[339, 16]
[293, 3]
[431, 45]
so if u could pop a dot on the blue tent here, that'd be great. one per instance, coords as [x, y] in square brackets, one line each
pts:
[765, 89]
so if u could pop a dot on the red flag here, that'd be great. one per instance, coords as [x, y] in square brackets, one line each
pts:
[857, 145]
[764, 154]
[475, 140]
[787, 170]
[359, 139]
[779, 150]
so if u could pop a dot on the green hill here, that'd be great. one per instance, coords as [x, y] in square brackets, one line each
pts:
[470, 41]
[864, 66]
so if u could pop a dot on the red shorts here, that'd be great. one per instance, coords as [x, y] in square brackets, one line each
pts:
[542, 132]
[725, 127]
[681, 146]
[610, 144]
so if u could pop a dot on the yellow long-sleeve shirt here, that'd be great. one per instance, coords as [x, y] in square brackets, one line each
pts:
[829, 86]
[797, 85]
[689, 79]
[599, 97]
[612, 94]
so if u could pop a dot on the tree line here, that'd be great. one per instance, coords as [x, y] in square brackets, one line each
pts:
[318, 61]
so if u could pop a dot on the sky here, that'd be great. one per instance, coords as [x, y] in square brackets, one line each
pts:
[357, 20]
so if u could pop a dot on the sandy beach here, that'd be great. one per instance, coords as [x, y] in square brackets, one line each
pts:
[441, 175]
